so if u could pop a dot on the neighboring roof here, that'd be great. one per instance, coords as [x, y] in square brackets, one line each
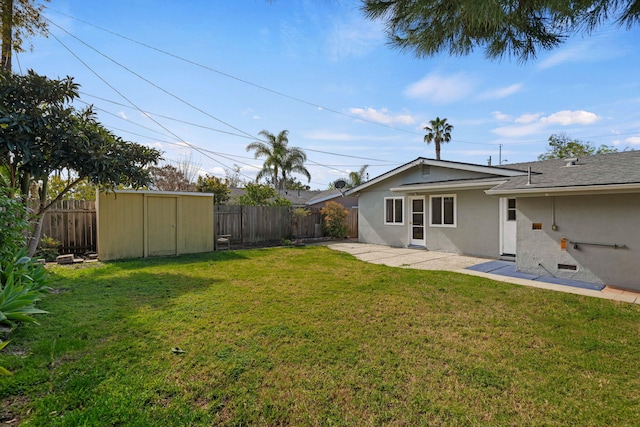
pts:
[495, 170]
[619, 172]
[601, 172]
[323, 196]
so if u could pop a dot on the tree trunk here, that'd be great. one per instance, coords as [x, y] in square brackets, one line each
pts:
[35, 237]
[7, 34]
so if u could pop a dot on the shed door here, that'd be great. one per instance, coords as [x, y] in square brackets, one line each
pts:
[508, 226]
[161, 225]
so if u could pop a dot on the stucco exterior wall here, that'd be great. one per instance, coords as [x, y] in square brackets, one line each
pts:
[478, 226]
[604, 219]
[477, 231]
[136, 224]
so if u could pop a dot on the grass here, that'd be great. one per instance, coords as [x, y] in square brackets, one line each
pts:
[309, 336]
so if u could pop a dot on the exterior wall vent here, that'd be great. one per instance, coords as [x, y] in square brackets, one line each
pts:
[567, 267]
[426, 170]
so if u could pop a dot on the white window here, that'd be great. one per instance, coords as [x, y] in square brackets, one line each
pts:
[442, 212]
[394, 210]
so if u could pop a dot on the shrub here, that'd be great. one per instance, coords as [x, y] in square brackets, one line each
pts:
[47, 248]
[334, 222]
[13, 225]
[22, 283]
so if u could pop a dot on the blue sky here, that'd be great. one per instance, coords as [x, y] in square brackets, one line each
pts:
[201, 80]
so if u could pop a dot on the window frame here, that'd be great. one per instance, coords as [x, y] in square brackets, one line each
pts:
[442, 210]
[402, 208]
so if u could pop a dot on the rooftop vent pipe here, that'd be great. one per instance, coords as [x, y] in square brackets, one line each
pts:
[571, 162]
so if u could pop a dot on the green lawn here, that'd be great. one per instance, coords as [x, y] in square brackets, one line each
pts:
[310, 336]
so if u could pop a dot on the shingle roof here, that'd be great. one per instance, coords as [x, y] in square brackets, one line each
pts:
[596, 170]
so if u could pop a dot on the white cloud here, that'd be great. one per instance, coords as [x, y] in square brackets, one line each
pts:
[634, 140]
[501, 92]
[351, 35]
[533, 123]
[518, 131]
[441, 89]
[382, 116]
[567, 117]
[527, 118]
[123, 115]
[501, 116]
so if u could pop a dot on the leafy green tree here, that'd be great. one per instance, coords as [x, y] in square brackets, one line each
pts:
[20, 19]
[218, 186]
[358, 177]
[257, 194]
[562, 146]
[83, 190]
[41, 133]
[280, 159]
[438, 132]
[502, 27]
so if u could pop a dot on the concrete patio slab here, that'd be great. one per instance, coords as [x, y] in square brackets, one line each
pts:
[503, 271]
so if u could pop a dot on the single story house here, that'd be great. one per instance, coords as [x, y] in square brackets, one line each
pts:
[574, 218]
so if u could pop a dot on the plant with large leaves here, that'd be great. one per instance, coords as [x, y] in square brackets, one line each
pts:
[40, 133]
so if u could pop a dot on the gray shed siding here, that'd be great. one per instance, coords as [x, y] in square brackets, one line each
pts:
[604, 219]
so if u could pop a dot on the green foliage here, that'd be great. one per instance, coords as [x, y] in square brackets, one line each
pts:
[357, 177]
[12, 225]
[562, 146]
[313, 336]
[47, 249]
[3, 371]
[334, 217]
[22, 283]
[218, 186]
[502, 27]
[261, 195]
[438, 132]
[41, 133]
[280, 159]
[297, 216]
[83, 190]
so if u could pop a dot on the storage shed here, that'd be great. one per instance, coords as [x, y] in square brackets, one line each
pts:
[139, 224]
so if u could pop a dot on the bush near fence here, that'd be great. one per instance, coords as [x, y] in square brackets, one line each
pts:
[73, 224]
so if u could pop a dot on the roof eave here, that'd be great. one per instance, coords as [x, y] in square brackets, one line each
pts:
[444, 186]
[572, 190]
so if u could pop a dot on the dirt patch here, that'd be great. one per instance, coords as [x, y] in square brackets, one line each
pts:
[11, 408]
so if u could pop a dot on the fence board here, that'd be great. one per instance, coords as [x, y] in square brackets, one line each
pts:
[73, 224]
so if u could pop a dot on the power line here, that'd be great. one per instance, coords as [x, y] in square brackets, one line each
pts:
[222, 73]
[135, 106]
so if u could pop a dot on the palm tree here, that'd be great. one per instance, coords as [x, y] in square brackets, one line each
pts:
[439, 131]
[357, 178]
[293, 161]
[280, 159]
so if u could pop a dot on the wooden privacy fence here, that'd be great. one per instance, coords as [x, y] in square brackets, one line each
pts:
[73, 224]
[257, 224]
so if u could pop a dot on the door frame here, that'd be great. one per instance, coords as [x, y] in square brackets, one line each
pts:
[508, 228]
[412, 241]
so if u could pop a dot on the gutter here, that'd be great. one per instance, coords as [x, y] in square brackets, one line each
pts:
[586, 189]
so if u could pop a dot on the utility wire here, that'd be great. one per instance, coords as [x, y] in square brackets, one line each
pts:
[137, 107]
[151, 83]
